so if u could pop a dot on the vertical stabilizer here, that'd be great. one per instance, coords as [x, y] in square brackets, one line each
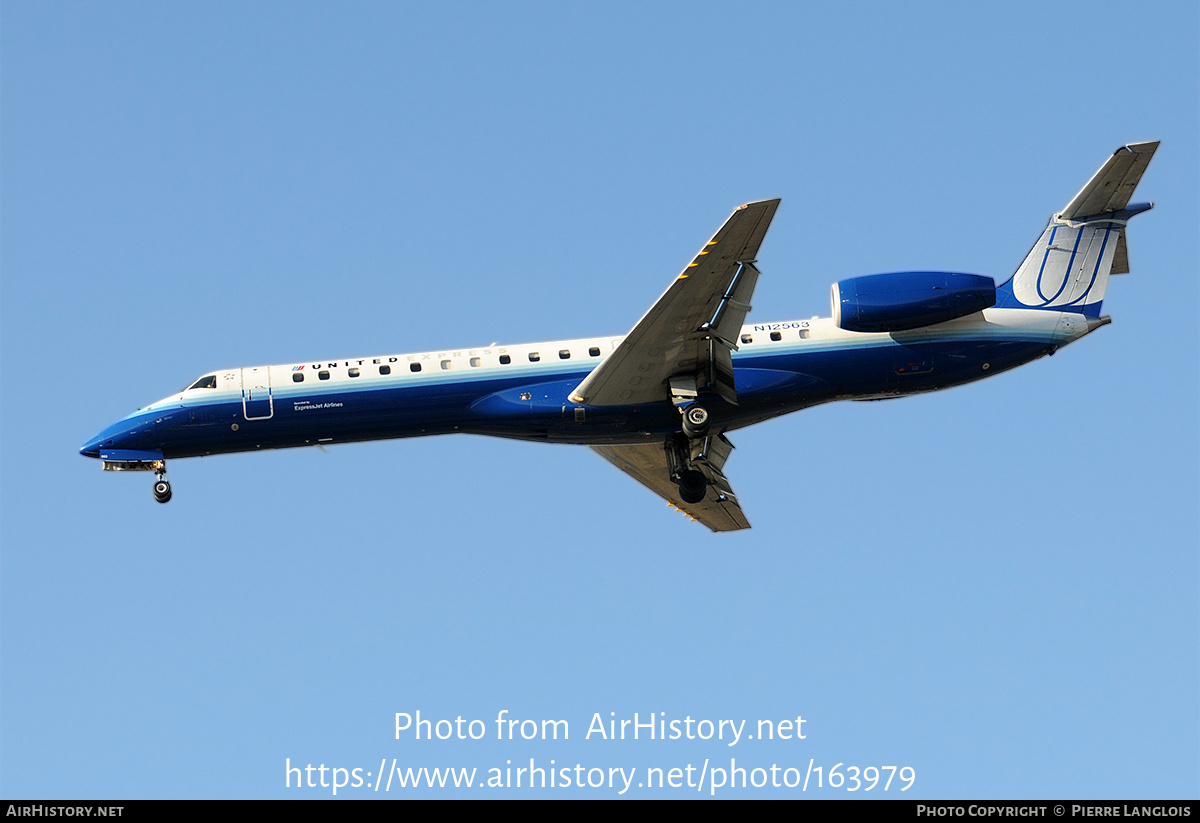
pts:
[1068, 268]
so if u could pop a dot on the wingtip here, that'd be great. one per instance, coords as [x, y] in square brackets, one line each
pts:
[1139, 148]
[772, 201]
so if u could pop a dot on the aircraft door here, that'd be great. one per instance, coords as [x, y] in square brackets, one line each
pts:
[909, 364]
[257, 402]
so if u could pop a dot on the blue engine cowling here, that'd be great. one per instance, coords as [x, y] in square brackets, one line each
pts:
[909, 299]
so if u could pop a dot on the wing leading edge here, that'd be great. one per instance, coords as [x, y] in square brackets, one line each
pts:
[690, 332]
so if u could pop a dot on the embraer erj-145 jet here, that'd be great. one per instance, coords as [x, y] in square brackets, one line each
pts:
[659, 402]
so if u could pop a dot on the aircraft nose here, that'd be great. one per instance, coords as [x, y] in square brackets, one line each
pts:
[124, 435]
[111, 437]
[92, 447]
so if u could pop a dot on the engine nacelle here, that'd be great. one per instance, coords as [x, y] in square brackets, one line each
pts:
[909, 299]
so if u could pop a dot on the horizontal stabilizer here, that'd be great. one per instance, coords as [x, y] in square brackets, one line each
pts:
[1112, 186]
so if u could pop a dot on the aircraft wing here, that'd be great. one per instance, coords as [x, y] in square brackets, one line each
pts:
[648, 464]
[693, 328]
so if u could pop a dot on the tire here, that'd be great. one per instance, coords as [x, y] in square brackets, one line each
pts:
[696, 420]
[162, 491]
[693, 486]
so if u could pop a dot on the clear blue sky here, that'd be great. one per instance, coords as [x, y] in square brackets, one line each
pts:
[996, 585]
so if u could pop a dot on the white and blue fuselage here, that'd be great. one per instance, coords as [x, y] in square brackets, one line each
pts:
[523, 391]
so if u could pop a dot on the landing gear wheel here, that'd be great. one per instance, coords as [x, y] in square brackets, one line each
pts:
[693, 486]
[695, 421]
[162, 491]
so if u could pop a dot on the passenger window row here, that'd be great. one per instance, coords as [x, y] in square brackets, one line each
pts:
[446, 365]
[210, 381]
[775, 336]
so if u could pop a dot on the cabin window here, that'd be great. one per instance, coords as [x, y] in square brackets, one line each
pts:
[297, 377]
[564, 354]
[447, 365]
[505, 360]
[414, 367]
[324, 375]
[776, 336]
[476, 362]
[804, 333]
[594, 351]
[206, 382]
[747, 338]
[354, 372]
[534, 357]
[385, 369]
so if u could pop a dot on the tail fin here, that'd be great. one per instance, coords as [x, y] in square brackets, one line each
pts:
[1068, 268]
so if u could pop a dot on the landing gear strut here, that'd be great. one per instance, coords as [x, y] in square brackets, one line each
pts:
[162, 489]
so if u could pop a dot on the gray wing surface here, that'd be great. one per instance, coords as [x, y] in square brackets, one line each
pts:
[693, 327]
[648, 464]
[1112, 186]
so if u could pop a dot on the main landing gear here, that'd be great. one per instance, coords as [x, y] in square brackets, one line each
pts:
[693, 483]
[162, 489]
[693, 486]
[695, 421]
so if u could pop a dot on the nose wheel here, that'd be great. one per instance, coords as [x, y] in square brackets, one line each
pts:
[162, 489]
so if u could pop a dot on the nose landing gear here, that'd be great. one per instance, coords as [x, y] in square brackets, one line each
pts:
[162, 489]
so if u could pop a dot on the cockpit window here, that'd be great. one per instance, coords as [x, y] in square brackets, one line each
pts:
[208, 382]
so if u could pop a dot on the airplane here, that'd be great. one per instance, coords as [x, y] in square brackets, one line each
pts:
[659, 402]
